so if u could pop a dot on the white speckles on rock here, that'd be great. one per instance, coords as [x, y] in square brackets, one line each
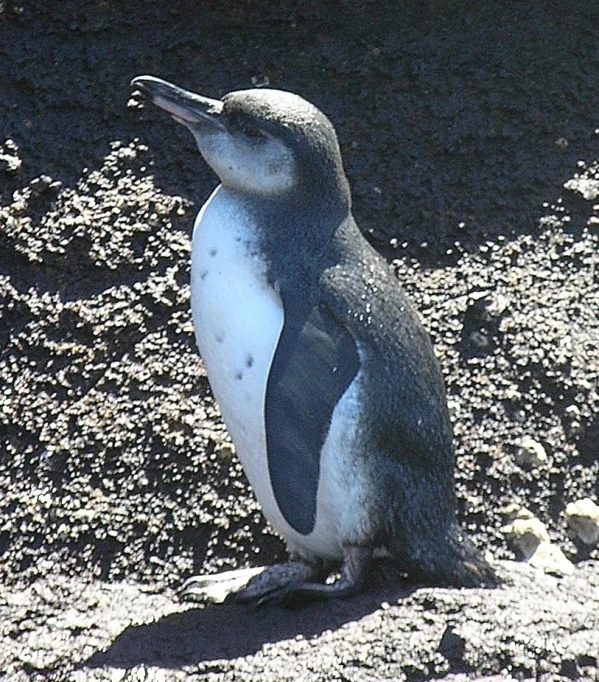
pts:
[588, 188]
[9, 157]
[529, 536]
[583, 520]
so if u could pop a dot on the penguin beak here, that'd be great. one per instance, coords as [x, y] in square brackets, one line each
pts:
[185, 107]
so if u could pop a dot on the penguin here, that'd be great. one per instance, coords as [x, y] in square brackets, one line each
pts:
[327, 381]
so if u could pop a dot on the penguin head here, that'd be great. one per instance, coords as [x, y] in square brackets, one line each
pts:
[259, 142]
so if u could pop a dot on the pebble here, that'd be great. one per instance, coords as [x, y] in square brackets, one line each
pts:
[550, 558]
[583, 519]
[530, 537]
[529, 453]
[526, 532]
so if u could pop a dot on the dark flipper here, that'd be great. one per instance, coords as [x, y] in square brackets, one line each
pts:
[315, 362]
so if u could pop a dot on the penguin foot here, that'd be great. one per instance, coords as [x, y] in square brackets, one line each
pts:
[215, 589]
[272, 584]
[305, 582]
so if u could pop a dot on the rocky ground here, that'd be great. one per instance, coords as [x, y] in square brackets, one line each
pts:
[471, 140]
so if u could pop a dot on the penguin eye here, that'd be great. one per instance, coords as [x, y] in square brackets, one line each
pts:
[245, 126]
[251, 131]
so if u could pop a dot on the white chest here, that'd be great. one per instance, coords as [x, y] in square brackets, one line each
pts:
[238, 320]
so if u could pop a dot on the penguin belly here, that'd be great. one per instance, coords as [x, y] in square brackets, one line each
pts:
[238, 319]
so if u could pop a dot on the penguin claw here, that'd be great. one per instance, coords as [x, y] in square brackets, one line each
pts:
[218, 588]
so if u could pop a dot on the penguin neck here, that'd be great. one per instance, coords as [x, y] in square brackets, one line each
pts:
[295, 231]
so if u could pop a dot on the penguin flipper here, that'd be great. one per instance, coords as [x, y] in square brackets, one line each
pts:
[315, 361]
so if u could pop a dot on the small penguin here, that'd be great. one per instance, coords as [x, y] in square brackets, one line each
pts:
[326, 380]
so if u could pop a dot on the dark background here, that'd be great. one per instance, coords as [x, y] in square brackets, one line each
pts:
[457, 112]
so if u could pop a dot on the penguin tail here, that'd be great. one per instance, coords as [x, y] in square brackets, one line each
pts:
[452, 560]
[464, 565]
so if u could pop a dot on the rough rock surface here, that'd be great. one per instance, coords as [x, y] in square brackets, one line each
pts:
[537, 627]
[471, 138]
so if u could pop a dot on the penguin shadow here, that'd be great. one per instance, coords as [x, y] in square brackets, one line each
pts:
[227, 631]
